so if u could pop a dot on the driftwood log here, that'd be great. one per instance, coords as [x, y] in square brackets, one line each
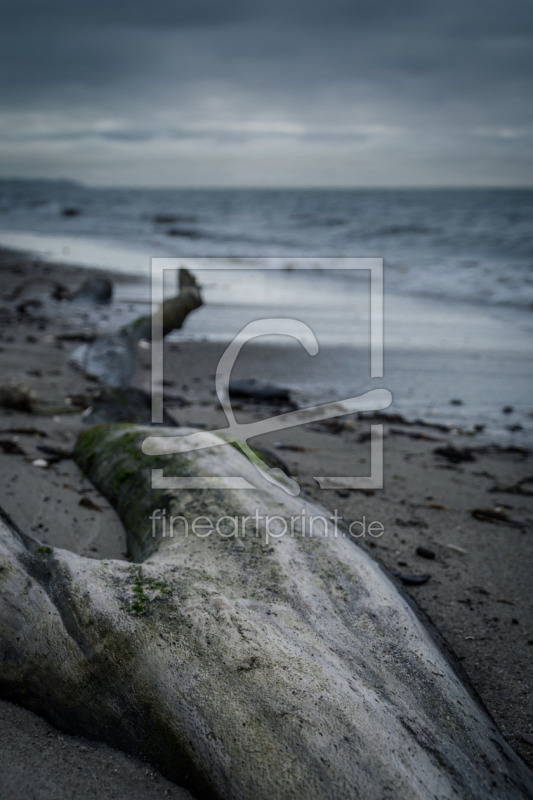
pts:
[111, 357]
[244, 661]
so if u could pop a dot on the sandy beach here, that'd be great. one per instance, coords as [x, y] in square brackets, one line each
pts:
[454, 507]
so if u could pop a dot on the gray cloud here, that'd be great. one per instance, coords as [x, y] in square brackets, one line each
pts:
[296, 82]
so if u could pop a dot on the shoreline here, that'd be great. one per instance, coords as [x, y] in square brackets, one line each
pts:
[445, 360]
[478, 595]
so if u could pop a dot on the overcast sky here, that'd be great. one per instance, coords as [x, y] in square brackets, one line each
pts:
[272, 93]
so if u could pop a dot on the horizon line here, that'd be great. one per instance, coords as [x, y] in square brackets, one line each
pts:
[259, 188]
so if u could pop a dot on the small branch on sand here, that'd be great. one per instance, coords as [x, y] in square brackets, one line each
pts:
[172, 313]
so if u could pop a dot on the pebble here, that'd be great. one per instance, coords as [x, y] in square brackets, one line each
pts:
[424, 552]
[412, 580]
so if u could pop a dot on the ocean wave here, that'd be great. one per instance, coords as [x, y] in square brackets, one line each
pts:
[458, 245]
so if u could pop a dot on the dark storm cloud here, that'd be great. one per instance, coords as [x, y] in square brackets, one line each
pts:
[245, 70]
[57, 43]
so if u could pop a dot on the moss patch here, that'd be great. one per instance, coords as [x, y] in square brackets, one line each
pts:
[146, 591]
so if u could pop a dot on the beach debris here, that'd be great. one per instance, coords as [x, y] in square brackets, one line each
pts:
[40, 462]
[24, 432]
[95, 289]
[425, 437]
[455, 454]
[6, 316]
[11, 447]
[406, 523]
[57, 453]
[412, 580]
[116, 404]
[86, 502]
[495, 516]
[27, 306]
[177, 400]
[293, 448]
[82, 400]
[516, 488]
[424, 552]
[457, 549]
[76, 336]
[339, 426]
[527, 738]
[18, 396]
[399, 419]
[436, 506]
[260, 392]
[58, 290]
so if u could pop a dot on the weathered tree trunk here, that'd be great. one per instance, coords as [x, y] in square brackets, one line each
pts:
[255, 665]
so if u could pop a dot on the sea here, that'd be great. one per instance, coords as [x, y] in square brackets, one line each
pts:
[457, 277]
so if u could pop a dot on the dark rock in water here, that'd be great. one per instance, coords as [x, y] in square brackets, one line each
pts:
[95, 289]
[456, 402]
[424, 552]
[188, 233]
[169, 219]
[70, 212]
[455, 454]
[507, 410]
[124, 405]
[259, 392]
[412, 580]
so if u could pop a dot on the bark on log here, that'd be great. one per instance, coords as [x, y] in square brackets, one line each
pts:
[249, 666]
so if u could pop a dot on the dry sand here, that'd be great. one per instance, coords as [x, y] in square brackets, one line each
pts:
[478, 595]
